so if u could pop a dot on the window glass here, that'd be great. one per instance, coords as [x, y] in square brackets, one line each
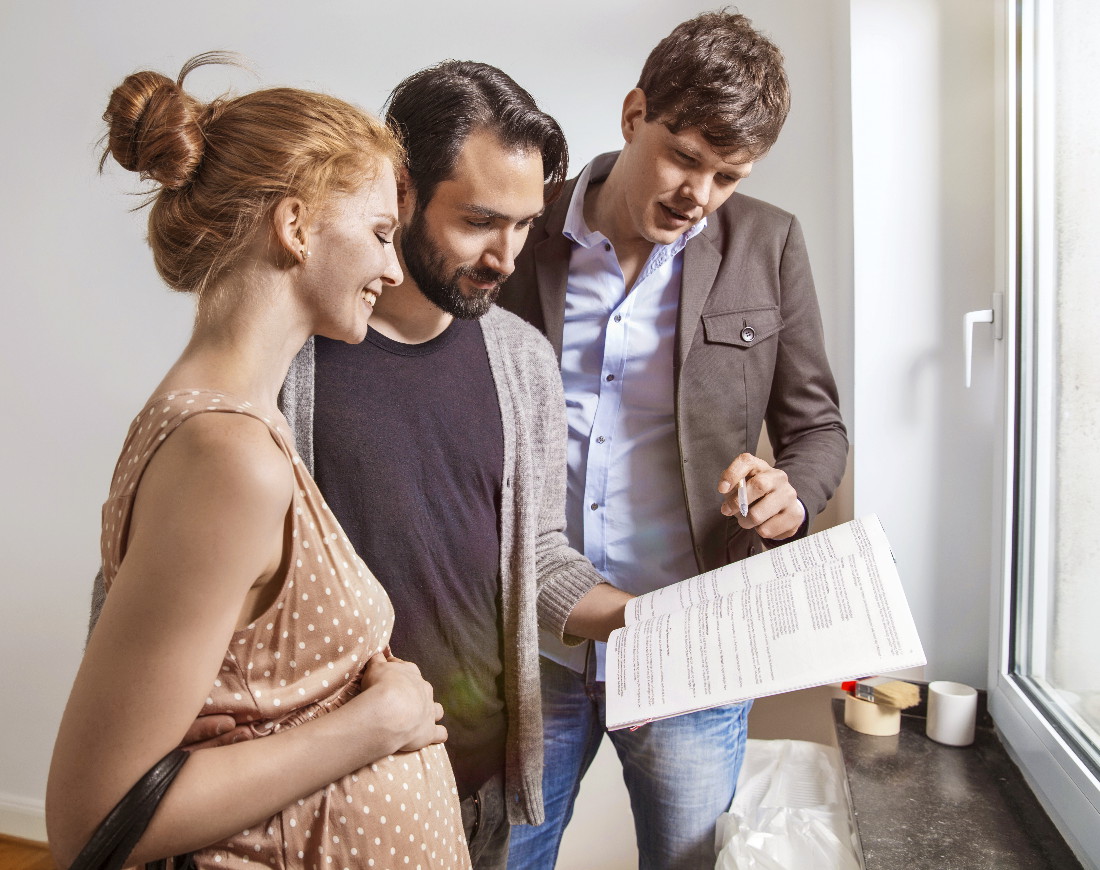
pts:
[1058, 617]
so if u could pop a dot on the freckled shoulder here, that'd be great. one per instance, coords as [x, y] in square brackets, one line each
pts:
[232, 454]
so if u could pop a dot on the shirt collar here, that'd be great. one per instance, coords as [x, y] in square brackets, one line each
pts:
[576, 230]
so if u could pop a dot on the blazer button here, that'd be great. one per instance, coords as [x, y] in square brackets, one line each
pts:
[748, 334]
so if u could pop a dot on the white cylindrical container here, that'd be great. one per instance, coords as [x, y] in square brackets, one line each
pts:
[952, 713]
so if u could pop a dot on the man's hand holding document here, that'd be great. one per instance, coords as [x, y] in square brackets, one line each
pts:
[826, 608]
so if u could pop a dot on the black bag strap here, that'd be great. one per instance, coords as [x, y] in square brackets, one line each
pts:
[115, 838]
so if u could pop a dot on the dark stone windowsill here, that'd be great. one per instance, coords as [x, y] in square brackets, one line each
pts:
[920, 804]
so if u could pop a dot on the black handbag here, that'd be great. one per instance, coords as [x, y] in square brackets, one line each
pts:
[115, 838]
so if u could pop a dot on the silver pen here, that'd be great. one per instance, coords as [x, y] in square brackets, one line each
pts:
[742, 498]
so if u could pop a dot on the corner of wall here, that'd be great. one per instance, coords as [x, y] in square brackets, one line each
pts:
[23, 818]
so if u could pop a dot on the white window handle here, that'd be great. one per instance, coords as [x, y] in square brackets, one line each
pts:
[986, 315]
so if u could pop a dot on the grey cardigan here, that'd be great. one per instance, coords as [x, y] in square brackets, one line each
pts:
[541, 577]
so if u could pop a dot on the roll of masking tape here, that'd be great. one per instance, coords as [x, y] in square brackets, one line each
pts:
[865, 717]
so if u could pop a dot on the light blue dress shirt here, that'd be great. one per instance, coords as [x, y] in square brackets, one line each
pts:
[625, 506]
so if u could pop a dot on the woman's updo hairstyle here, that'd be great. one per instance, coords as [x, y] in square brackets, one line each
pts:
[222, 166]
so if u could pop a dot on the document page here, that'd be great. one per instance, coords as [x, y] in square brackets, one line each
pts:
[819, 610]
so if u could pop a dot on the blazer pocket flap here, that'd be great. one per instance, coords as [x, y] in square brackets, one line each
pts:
[744, 328]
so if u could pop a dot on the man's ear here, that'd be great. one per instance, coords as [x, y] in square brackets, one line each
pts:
[406, 195]
[289, 221]
[634, 108]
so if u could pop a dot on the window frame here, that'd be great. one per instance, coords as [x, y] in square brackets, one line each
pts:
[1065, 783]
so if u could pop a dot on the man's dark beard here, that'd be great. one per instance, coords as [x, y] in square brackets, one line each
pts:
[426, 265]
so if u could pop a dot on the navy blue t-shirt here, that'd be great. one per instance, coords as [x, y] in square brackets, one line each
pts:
[409, 454]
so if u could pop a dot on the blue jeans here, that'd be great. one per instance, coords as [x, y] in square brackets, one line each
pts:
[681, 774]
[485, 821]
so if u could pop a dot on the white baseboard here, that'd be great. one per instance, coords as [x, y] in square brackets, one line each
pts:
[23, 818]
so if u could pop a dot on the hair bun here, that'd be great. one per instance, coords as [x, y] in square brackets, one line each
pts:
[154, 128]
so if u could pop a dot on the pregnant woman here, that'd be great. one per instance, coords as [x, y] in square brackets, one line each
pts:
[231, 587]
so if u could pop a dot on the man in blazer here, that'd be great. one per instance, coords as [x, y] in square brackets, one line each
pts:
[684, 317]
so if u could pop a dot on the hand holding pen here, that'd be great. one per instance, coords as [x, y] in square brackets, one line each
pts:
[760, 497]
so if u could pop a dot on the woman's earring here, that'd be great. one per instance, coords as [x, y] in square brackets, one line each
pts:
[305, 254]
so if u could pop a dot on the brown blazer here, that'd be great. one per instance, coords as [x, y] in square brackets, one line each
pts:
[749, 349]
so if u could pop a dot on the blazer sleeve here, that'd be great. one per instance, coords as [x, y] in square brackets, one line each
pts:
[808, 436]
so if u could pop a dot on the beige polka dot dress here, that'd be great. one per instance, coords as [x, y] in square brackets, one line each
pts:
[300, 659]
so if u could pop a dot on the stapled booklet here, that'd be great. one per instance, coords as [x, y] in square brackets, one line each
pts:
[823, 609]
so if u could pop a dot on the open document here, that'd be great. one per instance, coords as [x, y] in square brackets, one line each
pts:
[826, 608]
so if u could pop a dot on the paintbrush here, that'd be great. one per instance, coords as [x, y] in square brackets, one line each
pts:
[892, 693]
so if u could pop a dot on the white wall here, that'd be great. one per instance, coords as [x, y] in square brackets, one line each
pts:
[923, 158]
[87, 328]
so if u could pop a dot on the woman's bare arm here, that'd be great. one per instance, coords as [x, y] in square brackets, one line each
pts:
[206, 539]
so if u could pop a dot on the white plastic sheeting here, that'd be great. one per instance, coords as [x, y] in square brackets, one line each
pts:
[791, 811]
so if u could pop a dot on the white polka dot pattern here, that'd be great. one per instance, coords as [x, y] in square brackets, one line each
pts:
[298, 660]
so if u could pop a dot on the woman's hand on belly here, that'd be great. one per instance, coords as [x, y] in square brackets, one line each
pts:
[217, 729]
[403, 710]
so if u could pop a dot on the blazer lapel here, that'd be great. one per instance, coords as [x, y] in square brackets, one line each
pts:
[701, 261]
[551, 255]
[552, 274]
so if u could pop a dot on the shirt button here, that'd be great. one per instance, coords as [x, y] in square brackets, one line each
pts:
[593, 506]
[607, 246]
[600, 439]
[748, 334]
[618, 317]
[609, 378]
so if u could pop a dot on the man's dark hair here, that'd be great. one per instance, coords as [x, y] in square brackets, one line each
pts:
[719, 75]
[436, 109]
